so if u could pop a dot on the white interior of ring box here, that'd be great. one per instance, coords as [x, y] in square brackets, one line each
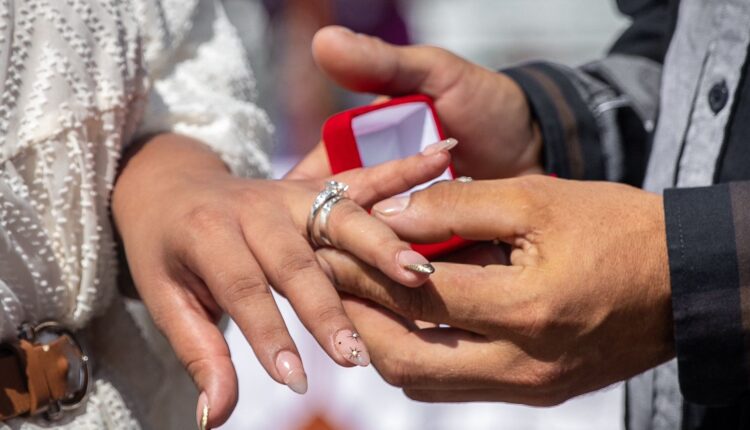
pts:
[396, 132]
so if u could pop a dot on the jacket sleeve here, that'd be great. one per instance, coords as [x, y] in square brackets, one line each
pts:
[596, 120]
[708, 239]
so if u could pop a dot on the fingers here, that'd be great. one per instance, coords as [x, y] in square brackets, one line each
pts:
[426, 358]
[462, 296]
[200, 347]
[479, 210]
[290, 264]
[222, 259]
[350, 227]
[367, 64]
[315, 165]
[370, 185]
[432, 363]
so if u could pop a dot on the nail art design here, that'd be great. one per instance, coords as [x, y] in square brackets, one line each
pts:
[204, 418]
[415, 262]
[425, 268]
[349, 344]
[354, 355]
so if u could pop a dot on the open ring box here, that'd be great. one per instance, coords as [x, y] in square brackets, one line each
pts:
[371, 135]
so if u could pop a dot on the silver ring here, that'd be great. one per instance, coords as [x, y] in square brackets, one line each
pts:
[464, 179]
[333, 189]
[321, 231]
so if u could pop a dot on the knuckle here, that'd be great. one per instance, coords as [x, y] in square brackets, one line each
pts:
[247, 195]
[537, 319]
[394, 372]
[294, 265]
[197, 367]
[445, 194]
[383, 250]
[273, 336]
[412, 303]
[546, 377]
[522, 189]
[529, 192]
[329, 314]
[205, 218]
[243, 288]
[344, 218]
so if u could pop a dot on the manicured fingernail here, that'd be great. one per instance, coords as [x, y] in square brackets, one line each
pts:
[392, 206]
[443, 145]
[201, 413]
[350, 345]
[290, 369]
[414, 261]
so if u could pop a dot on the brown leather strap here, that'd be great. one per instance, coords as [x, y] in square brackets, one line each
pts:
[14, 397]
[32, 377]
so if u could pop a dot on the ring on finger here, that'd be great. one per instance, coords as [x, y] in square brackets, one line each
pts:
[321, 238]
[332, 190]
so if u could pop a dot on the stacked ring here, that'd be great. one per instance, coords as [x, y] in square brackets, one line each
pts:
[333, 193]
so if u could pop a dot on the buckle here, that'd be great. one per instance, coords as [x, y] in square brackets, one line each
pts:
[79, 370]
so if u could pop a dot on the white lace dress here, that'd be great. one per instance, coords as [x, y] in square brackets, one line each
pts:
[79, 81]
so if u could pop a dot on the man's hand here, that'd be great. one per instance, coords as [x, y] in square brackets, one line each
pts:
[584, 303]
[486, 111]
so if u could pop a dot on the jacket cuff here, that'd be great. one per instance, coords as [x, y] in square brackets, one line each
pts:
[569, 128]
[708, 237]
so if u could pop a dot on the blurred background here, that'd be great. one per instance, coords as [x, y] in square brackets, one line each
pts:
[493, 33]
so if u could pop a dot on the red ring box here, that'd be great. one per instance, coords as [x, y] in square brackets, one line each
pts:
[371, 135]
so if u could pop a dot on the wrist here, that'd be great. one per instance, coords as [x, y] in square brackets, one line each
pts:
[571, 134]
[151, 169]
[530, 158]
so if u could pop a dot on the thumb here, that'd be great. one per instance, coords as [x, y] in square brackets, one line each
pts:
[367, 64]
[480, 210]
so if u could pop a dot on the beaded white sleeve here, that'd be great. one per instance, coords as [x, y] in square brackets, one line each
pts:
[76, 77]
[203, 86]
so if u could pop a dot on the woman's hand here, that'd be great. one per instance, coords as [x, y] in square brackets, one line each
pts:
[200, 242]
[485, 110]
[585, 301]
